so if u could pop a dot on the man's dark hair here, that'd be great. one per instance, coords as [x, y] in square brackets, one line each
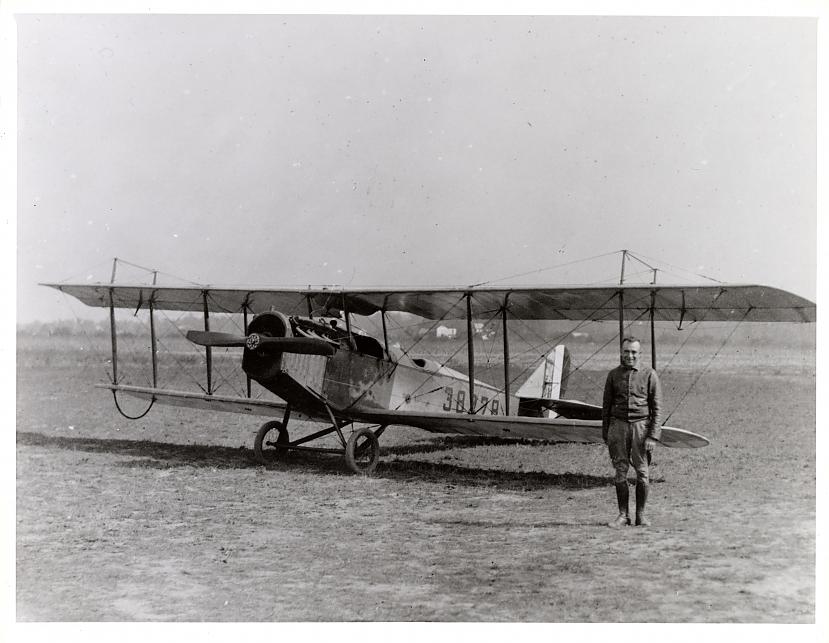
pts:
[631, 340]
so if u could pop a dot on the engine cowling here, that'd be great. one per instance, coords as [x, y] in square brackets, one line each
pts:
[257, 362]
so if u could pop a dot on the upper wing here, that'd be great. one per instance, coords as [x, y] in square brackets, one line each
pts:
[670, 303]
[564, 429]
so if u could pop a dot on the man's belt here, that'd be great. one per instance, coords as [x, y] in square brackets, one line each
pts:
[630, 419]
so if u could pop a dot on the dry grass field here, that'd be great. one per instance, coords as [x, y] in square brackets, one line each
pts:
[168, 518]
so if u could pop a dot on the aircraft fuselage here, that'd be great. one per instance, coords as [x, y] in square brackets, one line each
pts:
[367, 378]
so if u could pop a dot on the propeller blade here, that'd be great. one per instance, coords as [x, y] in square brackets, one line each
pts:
[300, 345]
[255, 341]
[213, 338]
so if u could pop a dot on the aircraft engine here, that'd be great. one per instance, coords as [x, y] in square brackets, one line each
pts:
[258, 362]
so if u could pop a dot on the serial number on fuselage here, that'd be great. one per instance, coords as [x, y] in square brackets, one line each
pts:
[456, 401]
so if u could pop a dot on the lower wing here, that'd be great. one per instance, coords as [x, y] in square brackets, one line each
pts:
[200, 400]
[563, 429]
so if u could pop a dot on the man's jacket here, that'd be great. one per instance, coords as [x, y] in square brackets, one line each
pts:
[633, 394]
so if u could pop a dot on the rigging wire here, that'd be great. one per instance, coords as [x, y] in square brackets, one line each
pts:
[406, 353]
[434, 325]
[614, 281]
[598, 350]
[705, 368]
[644, 263]
[182, 368]
[665, 368]
[591, 318]
[157, 272]
[545, 343]
[676, 267]
[86, 367]
[222, 379]
[87, 271]
[78, 322]
[553, 267]
[234, 318]
[693, 330]
[117, 260]
[609, 281]
[637, 274]
[449, 359]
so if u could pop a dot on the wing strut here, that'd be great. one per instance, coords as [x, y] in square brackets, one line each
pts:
[385, 331]
[209, 351]
[506, 355]
[347, 315]
[470, 350]
[112, 324]
[653, 329]
[245, 327]
[153, 340]
[622, 302]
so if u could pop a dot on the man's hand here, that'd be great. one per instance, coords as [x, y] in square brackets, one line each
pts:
[649, 444]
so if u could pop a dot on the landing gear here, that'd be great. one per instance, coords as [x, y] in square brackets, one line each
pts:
[265, 449]
[362, 451]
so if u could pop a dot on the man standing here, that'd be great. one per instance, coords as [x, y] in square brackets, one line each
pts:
[631, 426]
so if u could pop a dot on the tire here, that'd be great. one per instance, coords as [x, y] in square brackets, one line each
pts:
[362, 452]
[264, 450]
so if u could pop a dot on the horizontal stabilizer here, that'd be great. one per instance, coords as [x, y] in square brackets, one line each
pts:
[576, 410]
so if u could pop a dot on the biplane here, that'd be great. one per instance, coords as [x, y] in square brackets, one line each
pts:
[301, 346]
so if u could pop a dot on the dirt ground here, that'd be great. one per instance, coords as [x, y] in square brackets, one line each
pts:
[168, 518]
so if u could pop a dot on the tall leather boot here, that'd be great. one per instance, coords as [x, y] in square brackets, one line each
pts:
[622, 495]
[642, 488]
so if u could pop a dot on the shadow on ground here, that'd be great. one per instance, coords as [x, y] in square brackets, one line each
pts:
[164, 455]
[446, 442]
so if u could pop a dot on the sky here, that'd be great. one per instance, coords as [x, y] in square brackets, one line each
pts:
[413, 150]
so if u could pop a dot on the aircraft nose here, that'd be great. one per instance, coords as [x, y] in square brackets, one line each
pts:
[252, 341]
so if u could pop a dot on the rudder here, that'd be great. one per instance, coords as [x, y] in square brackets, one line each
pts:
[547, 382]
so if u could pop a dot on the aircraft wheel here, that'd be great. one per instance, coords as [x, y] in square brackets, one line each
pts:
[362, 452]
[267, 451]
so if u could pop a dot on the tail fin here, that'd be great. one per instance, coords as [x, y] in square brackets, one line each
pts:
[548, 382]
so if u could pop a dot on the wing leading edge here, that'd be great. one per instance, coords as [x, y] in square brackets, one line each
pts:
[267, 408]
[688, 303]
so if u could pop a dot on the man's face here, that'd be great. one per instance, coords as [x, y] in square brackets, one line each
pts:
[630, 354]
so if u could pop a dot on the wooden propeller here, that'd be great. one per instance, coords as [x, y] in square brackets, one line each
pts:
[255, 341]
